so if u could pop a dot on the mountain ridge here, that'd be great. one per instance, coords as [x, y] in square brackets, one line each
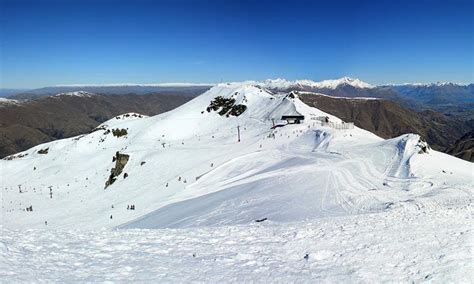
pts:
[278, 83]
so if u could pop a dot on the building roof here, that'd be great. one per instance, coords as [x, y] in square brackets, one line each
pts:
[292, 116]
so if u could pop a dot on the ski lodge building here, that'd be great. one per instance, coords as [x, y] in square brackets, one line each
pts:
[293, 119]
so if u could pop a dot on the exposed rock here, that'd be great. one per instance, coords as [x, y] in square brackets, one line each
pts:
[119, 132]
[226, 107]
[120, 162]
[423, 145]
[12, 157]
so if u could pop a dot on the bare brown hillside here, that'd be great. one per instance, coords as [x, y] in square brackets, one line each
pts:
[29, 123]
[464, 147]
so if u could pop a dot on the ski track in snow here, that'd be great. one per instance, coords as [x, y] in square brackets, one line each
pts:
[396, 245]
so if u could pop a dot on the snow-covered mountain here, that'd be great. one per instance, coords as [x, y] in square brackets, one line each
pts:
[283, 84]
[446, 97]
[186, 168]
[285, 203]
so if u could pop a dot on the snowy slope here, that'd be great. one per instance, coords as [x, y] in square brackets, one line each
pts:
[186, 169]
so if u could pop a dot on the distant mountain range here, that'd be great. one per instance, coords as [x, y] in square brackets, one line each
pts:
[441, 92]
[112, 89]
[449, 98]
[446, 97]
[440, 112]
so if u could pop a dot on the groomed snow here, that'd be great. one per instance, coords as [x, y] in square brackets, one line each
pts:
[395, 246]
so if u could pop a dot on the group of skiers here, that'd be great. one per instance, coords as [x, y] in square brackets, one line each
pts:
[30, 209]
[131, 207]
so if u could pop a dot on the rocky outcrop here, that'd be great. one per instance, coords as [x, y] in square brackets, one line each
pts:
[120, 161]
[226, 106]
[119, 132]
[43, 151]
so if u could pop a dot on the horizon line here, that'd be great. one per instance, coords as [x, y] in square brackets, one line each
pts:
[189, 84]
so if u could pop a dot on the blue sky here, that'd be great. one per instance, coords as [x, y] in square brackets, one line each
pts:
[77, 42]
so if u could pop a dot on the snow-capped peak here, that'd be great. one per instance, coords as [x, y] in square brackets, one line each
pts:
[332, 84]
[282, 84]
[76, 94]
[437, 84]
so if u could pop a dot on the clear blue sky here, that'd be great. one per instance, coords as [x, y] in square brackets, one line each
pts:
[68, 41]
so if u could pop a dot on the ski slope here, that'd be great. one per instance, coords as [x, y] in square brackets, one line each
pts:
[333, 205]
[186, 169]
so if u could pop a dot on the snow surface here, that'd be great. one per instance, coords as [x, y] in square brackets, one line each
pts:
[342, 98]
[407, 212]
[392, 246]
[4, 101]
